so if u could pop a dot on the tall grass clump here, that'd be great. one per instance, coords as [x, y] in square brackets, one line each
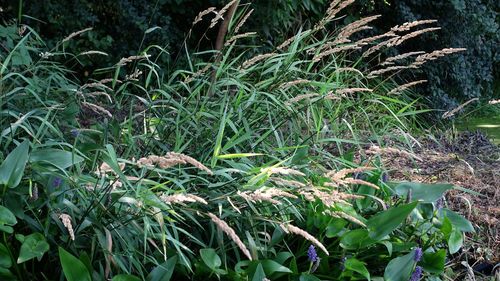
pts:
[236, 168]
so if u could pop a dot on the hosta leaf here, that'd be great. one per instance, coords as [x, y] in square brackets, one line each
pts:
[73, 268]
[385, 222]
[12, 168]
[34, 246]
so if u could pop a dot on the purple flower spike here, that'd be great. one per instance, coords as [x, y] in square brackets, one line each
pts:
[417, 274]
[312, 256]
[57, 182]
[418, 254]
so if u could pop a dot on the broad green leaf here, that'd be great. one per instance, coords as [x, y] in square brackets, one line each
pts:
[259, 273]
[5, 274]
[7, 217]
[125, 277]
[446, 227]
[164, 271]
[427, 193]
[12, 168]
[357, 266]
[210, 258]
[385, 222]
[400, 268]
[434, 262]
[356, 239]
[458, 221]
[73, 268]
[335, 227]
[5, 260]
[282, 257]
[60, 158]
[34, 246]
[455, 241]
[271, 267]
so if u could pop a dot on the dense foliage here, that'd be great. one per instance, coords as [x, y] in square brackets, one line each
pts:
[238, 167]
[468, 24]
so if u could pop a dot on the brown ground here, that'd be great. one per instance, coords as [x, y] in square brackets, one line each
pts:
[470, 161]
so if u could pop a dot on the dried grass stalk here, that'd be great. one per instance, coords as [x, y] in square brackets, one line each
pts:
[288, 228]
[339, 178]
[391, 60]
[374, 149]
[376, 73]
[494, 101]
[74, 34]
[97, 108]
[451, 113]
[198, 73]
[335, 50]
[290, 183]
[283, 171]
[266, 194]
[93, 53]
[291, 39]
[222, 225]
[301, 97]
[66, 220]
[420, 60]
[242, 21]
[124, 61]
[409, 25]
[254, 60]
[404, 87]
[344, 216]
[351, 69]
[171, 159]
[412, 35]
[294, 82]
[239, 36]
[201, 14]
[181, 198]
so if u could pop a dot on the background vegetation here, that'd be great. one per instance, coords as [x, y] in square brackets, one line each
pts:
[136, 153]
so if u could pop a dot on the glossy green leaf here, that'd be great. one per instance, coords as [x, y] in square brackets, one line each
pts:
[7, 217]
[385, 222]
[259, 273]
[455, 241]
[5, 260]
[5, 274]
[60, 158]
[335, 227]
[271, 267]
[73, 268]
[34, 246]
[125, 277]
[400, 268]
[210, 258]
[458, 221]
[12, 168]
[356, 239]
[427, 193]
[164, 271]
[434, 262]
[357, 266]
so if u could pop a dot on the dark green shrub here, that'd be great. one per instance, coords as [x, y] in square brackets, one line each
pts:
[472, 24]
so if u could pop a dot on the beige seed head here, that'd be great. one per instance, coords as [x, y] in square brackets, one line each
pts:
[406, 86]
[74, 34]
[66, 220]
[224, 227]
[288, 228]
